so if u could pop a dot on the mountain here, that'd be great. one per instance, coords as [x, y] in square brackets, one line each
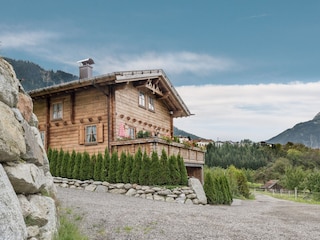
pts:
[178, 132]
[307, 133]
[32, 76]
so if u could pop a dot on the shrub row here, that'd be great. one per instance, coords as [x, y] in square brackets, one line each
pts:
[138, 168]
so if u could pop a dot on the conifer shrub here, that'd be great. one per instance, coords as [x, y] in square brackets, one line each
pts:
[174, 171]
[154, 177]
[77, 166]
[53, 162]
[106, 160]
[49, 155]
[64, 164]
[136, 167]
[164, 168]
[102, 167]
[85, 167]
[71, 164]
[59, 162]
[208, 188]
[121, 166]
[144, 174]
[112, 172]
[96, 168]
[127, 169]
[183, 171]
[92, 162]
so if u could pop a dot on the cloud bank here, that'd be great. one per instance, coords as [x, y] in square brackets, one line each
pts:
[255, 112]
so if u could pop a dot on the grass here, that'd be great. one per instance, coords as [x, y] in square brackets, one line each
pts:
[291, 198]
[67, 229]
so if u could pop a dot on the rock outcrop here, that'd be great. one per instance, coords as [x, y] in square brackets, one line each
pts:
[27, 206]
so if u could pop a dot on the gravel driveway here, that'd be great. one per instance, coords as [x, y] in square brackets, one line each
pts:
[114, 216]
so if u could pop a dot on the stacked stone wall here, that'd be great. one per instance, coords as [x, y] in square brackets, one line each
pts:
[27, 205]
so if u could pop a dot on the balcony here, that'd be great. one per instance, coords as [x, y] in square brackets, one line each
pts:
[193, 157]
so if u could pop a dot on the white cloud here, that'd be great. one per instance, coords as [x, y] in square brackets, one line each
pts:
[25, 39]
[173, 62]
[256, 112]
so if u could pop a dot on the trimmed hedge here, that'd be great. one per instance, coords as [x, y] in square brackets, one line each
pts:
[140, 168]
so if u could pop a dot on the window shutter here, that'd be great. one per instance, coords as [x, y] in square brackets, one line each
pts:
[81, 135]
[100, 132]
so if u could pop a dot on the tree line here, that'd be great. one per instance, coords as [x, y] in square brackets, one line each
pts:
[138, 168]
[295, 165]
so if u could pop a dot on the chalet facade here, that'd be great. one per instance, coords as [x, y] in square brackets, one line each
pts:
[122, 111]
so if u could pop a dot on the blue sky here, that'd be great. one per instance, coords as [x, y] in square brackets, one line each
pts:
[246, 69]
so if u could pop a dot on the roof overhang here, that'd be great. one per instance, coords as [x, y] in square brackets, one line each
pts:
[154, 81]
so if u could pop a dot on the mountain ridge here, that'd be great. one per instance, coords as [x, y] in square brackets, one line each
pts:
[306, 133]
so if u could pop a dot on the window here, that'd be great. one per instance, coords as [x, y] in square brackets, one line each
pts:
[151, 104]
[57, 111]
[91, 134]
[142, 101]
[131, 132]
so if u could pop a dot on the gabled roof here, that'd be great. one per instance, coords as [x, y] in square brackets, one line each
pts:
[155, 81]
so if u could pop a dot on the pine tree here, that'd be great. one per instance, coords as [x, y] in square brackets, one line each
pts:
[64, 165]
[77, 166]
[71, 164]
[183, 171]
[106, 159]
[127, 169]
[136, 167]
[49, 155]
[85, 166]
[53, 162]
[175, 176]
[92, 161]
[144, 174]
[154, 178]
[59, 163]
[112, 172]
[164, 168]
[120, 168]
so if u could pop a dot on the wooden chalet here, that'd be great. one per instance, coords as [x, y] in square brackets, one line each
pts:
[122, 111]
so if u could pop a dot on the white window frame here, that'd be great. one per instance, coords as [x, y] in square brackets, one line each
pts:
[131, 132]
[151, 103]
[91, 137]
[142, 99]
[57, 110]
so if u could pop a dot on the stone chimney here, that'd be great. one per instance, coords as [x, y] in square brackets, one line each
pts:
[85, 68]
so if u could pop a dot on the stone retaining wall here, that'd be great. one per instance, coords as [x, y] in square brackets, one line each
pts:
[187, 194]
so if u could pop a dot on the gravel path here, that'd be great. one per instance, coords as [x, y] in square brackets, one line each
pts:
[113, 216]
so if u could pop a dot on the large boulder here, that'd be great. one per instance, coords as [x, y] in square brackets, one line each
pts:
[197, 187]
[9, 84]
[12, 143]
[25, 105]
[12, 225]
[26, 178]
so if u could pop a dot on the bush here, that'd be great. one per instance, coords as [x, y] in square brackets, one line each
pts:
[127, 169]
[154, 177]
[136, 167]
[64, 165]
[77, 166]
[183, 171]
[164, 169]
[53, 162]
[106, 160]
[85, 167]
[112, 172]
[121, 166]
[174, 171]
[71, 164]
[59, 163]
[145, 170]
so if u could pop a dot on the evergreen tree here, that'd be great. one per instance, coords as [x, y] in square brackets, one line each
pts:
[106, 159]
[112, 172]
[164, 168]
[121, 166]
[92, 161]
[136, 167]
[49, 155]
[208, 188]
[53, 163]
[102, 164]
[145, 170]
[77, 166]
[96, 167]
[154, 177]
[174, 171]
[85, 166]
[183, 171]
[71, 164]
[64, 165]
[127, 169]
[59, 163]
